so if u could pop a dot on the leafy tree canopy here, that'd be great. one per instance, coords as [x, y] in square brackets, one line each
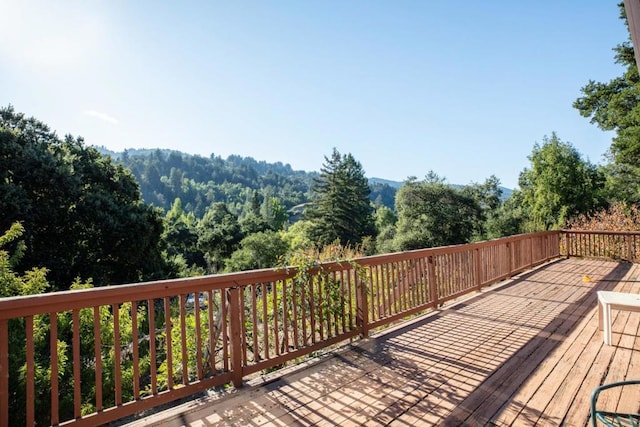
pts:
[559, 184]
[432, 213]
[82, 215]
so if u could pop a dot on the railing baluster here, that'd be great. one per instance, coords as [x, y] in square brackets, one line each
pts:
[53, 348]
[265, 321]
[379, 292]
[431, 274]
[77, 395]
[285, 315]
[413, 265]
[276, 332]
[327, 305]
[134, 345]
[152, 346]
[243, 332]
[224, 298]
[236, 331]
[198, 339]
[212, 333]
[312, 311]
[320, 306]
[183, 338]
[168, 341]
[254, 323]
[386, 280]
[303, 315]
[362, 311]
[4, 373]
[343, 300]
[352, 278]
[117, 354]
[30, 381]
[336, 325]
[477, 264]
[97, 348]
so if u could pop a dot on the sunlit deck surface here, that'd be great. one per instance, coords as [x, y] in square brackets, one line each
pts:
[524, 352]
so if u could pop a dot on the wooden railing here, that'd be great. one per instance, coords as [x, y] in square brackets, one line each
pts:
[618, 245]
[90, 356]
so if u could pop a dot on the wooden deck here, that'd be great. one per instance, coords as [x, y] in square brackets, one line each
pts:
[527, 352]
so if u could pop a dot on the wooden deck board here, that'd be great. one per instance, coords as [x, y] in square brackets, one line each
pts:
[525, 353]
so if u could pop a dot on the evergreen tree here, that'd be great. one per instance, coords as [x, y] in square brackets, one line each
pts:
[341, 210]
[614, 106]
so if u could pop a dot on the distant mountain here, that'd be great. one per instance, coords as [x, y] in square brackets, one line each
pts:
[164, 175]
[394, 184]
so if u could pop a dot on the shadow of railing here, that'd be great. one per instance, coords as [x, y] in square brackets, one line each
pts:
[495, 391]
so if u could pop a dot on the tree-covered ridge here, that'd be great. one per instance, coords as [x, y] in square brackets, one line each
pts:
[165, 175]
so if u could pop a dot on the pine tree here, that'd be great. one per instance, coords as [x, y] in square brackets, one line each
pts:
[341, 210]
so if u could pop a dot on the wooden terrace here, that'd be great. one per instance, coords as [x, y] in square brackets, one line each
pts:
[510, 337]
[526, 352]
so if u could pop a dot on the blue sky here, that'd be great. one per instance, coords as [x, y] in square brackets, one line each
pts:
[462, 88]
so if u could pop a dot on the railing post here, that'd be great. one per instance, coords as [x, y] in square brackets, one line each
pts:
[629, 239]
[4, 373]
[431, 273]
[233, 295]
[509, 258]
[362, 307]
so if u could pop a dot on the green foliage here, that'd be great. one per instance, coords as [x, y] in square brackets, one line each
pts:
[488, 196]
[258, 250]
[11, 284]
[181, 238]
[274, 212]
[559, 184]
[432, 213]
[298, 236]
[614, 106]
[219, 235]
[341, 210]
[509, 218]
[384, 217]
[82, 215]
[622, 182]
[35, 282]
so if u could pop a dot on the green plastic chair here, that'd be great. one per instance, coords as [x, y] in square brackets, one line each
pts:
[613, 419]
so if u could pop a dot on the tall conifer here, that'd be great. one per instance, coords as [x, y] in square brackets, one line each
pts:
[341, 209]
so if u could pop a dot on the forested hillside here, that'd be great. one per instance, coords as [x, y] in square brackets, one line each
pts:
[164, 175]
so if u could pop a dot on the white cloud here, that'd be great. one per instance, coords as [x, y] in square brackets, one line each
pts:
[102, 116]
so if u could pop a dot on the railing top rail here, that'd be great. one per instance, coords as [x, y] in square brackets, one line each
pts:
[84, 298]
[443, 250]
[616, 233]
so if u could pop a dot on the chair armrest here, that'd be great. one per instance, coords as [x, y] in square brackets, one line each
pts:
[594, 398]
